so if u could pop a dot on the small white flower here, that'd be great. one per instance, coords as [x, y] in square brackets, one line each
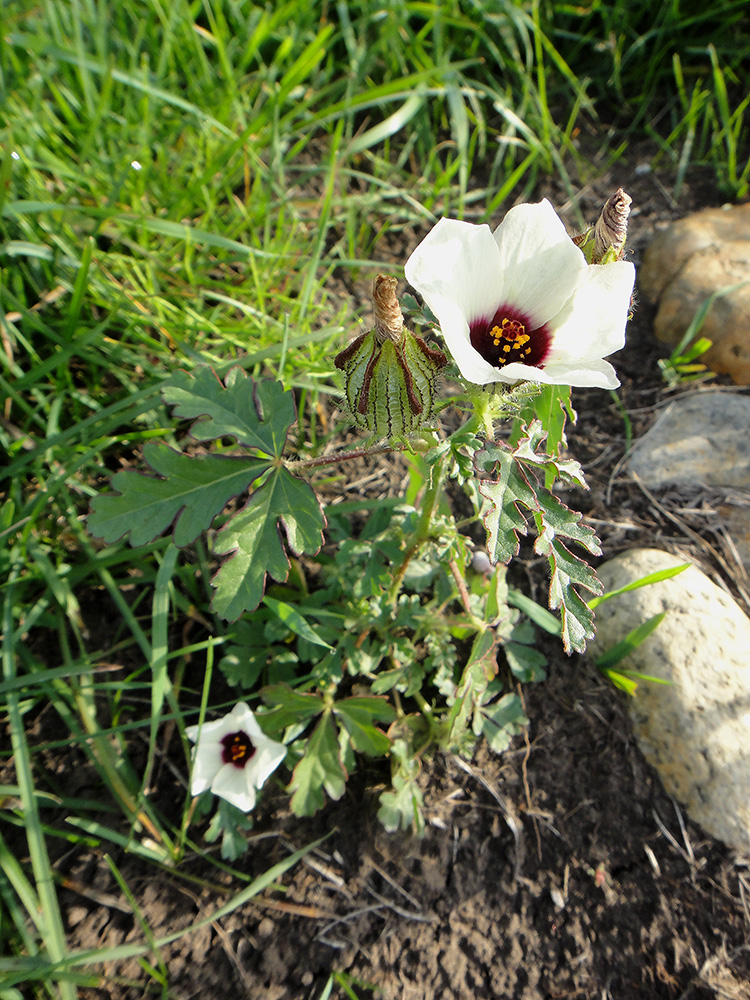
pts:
[522, 303]
[233, 757]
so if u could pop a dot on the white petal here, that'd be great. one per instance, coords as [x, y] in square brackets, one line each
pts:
[268, 753]
[231, 783]
[240, 714]
[265, 760]
[592, 325]
[242, 718]
[206, 765]
[198, 732]
[541, 265]
[458, 262]
[594, 372]
[213, 731]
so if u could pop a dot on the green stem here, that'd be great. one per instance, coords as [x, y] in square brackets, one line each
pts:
[425, 708]
[430, 501]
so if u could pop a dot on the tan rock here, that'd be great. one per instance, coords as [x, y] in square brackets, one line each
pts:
[670, 249]
[695, 729]
[727, 324]
[684, 265]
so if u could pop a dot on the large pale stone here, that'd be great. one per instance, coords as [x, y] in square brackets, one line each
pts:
[688, 262]
[728, 320]
[701, 438]
[696, 729]
[670, 249]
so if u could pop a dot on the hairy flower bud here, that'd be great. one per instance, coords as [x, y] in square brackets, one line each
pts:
[605, 241]
[611, 229]
[391, 376]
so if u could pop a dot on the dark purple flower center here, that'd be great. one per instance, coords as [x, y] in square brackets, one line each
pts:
[509, 336]
[237, 748]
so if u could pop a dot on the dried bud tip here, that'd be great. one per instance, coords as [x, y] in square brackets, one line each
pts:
[611, 228]
[389, 320]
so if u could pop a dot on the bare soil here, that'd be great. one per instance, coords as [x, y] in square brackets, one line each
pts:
[560, 869]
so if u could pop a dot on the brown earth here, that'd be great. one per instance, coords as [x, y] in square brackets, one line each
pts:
[560, 869]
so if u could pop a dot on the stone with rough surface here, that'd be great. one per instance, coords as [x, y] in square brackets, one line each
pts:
[685, 264]
[702, 438]
[696, 729]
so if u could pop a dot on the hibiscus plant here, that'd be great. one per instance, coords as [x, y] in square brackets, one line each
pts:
[388, 628]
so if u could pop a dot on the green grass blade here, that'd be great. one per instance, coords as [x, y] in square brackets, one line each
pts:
[50, 918]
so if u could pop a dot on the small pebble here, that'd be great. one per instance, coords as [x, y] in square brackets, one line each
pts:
[266, 928]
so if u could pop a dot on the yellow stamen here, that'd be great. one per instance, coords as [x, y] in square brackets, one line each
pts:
[513, 332]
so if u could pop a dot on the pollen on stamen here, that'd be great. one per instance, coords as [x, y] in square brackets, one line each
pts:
[509, 336]
[237, 749]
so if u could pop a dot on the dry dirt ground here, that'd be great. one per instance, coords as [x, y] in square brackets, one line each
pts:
[558, 870]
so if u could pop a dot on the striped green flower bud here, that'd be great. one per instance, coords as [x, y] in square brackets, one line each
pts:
[391, 376]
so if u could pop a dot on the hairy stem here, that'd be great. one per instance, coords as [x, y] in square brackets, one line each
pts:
[342, 456]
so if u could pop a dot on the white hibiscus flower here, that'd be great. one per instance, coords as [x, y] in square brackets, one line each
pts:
[233, 757]
[522, 303]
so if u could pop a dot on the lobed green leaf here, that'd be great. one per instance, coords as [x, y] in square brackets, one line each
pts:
[567, 573]
[558, 519]
[319, 769]
[479, 672]
[288, 707]
[358, 714]
[510, 490]
[401, 808]
[187, 491]
[257, 414]
[253, 541]
[500, 720]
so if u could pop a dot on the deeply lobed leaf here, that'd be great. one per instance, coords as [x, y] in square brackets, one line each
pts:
[567, 573]
[507, 493]
[253, 541]
[257, 414]
[514, 486]
[187, 491]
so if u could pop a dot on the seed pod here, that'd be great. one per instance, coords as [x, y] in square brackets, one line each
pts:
[391, 376]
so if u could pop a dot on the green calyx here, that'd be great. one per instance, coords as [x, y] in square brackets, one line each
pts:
[391, 385]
